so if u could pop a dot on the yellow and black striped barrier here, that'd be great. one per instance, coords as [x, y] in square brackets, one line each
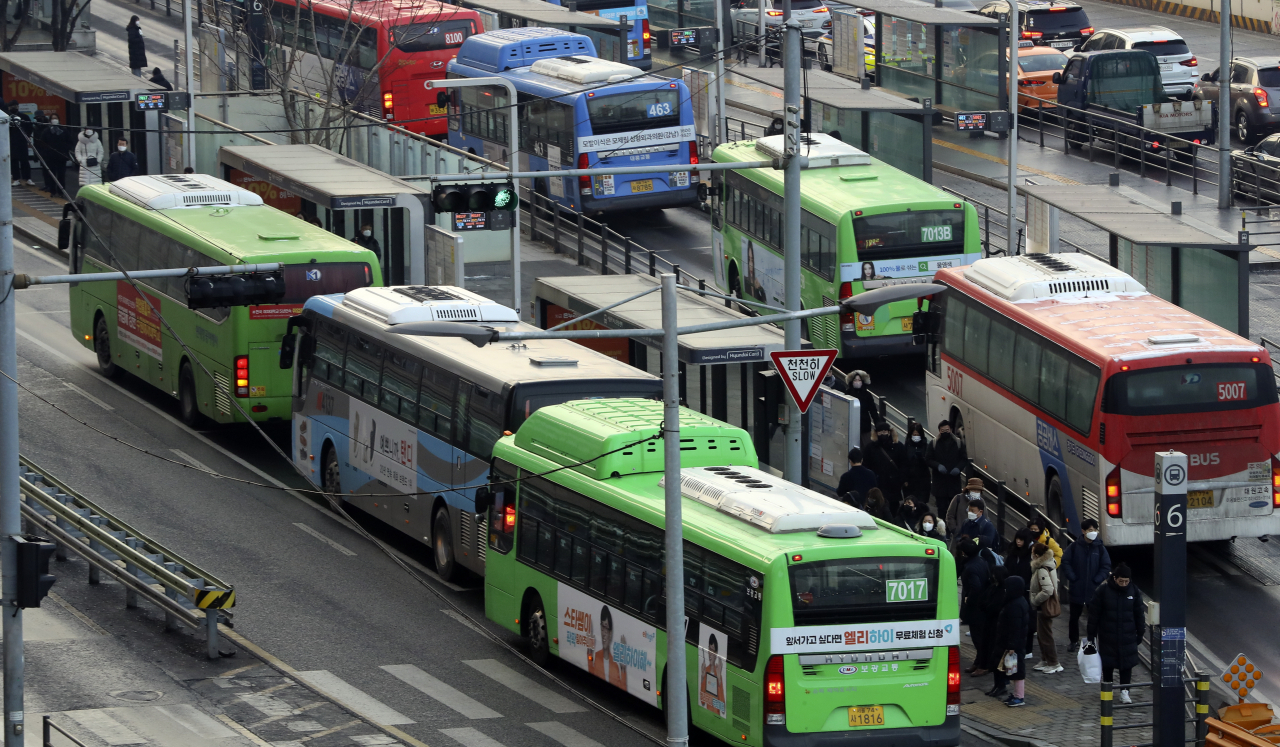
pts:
[1199, 14]
[215, 599]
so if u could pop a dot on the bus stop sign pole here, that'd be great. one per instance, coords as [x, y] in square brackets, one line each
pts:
[1170, 594]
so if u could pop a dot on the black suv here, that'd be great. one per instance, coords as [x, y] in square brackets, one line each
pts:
[1061, 25]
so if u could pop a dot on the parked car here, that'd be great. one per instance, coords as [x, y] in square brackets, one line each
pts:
[1255, 95]
[1257, 169]
[1178, 66]
[813, 15]
[1058, 24]
[825, 46]
[1036, 66]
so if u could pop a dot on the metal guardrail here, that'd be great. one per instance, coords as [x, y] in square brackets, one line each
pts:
[184, 592]
[46, 736]
[1199, 699]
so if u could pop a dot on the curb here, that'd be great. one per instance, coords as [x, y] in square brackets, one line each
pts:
[999, 737]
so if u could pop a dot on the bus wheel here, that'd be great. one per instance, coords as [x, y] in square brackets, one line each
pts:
[331, 473]
[102, 346]
[188, 405]
[442, 541]
[735, 284]
[1053, 502]
[535, 633]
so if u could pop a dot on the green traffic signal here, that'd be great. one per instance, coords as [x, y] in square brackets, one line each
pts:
[507, 198]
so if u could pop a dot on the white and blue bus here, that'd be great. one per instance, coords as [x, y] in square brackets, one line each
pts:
[577, 111]
[403, 427]
[632, 12]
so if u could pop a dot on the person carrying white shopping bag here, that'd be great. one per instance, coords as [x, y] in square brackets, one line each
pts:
[1117, 619]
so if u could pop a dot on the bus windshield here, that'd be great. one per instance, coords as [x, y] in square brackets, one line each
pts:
[1187, 389]
[531, 397]
[304, 281]
[909, 234]
[634, 110]
[430, 37]
[864, 590]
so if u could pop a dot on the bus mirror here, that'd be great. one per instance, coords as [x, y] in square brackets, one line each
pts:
[442, 98]
[64, 234]
[288, 344]
[702, 192]
[484, 499]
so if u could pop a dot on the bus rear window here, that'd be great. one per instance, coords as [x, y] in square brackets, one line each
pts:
[304, 281]
[634, 110]
[897, 235]
[864, 590]
[430, 37]
[1187, 389]
[531, 397]
[1057, 19]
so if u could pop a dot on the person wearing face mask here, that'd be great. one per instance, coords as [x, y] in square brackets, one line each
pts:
[958, 506]
[886, 458]
[54, 149]
[122, 163]
[978, 527]
[857, 384]
[1085, 564]
[916, 475]
[946, 456]
[932, 527]
[366, 240]
[88, 156]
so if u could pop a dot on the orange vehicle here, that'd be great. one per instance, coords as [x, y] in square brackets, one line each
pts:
[1036, 66]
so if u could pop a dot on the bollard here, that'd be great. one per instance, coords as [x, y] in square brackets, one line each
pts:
[676, 270]
[1089, 142]
[582, 260]
[555, 230]
[1106, 693]
[1168, 167]
[211, 632]
[604, 248]
[626, 261]
[653, 264]
[1202, 709]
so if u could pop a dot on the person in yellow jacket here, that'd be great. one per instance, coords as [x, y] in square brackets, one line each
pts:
[1038, 530]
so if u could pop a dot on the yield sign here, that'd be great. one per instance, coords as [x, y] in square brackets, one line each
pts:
[802, 371]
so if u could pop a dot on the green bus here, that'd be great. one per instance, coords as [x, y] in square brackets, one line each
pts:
[864, 225]
[193, 220]
[809, 622]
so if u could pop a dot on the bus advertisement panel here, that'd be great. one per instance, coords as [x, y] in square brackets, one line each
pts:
[1065, 376]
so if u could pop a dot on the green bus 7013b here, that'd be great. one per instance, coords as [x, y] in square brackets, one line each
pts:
[193, 220]
[809, 622]
[864, 225]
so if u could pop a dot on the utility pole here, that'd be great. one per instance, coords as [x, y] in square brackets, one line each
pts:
[189, 56]
[1224, 105]
[722, 40]
[677, 668]
[791, 224]
[10, 512]
[1169, 640]
[762, 29]
[1015, 33]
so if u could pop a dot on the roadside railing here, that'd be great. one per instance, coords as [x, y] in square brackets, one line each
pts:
[1274, 348]
[47, 730]
[185, 593]
[1199, 699]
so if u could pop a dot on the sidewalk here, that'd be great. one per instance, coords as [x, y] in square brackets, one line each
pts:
[36, 215]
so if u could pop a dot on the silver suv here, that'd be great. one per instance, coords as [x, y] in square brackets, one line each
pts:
[1255, 95]
[1179, 69]
[813, 15]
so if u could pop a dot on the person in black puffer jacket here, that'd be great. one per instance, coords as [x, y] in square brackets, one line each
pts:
[1011, 636]
[1018, 561]
[974, 578]
[916, 473]
[1117, 620]
[992, 602]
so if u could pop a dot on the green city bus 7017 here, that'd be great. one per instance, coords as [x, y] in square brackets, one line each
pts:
[809, 622]
[864, 225]
[193, 220]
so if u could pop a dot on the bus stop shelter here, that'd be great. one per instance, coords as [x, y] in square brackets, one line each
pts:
[711, 354]
[86, 92]
[610, 36]
[955, 58]
[1177, 261]
[891, 128]
[343, 195]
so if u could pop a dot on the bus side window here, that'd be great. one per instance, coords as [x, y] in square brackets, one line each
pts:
[1053, 382]
[364, 369]
[435, 402]
[953, 327]
[331, 342]
[976, 328]
[1026, 367]
[400, 387]
[1082, 392]
[1001, 352]
[483, 417]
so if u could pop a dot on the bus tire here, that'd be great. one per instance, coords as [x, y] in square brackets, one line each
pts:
[536, 634]
[102, 346]
[735, 283]
[188, 400]
[688, 713]
[1053, 502]
[330, 471]
[442, 545]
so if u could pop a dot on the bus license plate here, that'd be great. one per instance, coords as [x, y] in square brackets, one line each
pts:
[866, 716]
[907, 323]
[434, 110]
[1199, 499]
[642, 185]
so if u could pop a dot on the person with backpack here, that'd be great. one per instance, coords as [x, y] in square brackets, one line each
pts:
[1044, 600]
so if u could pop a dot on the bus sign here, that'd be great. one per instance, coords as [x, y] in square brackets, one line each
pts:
[907, 590]
[802, 371]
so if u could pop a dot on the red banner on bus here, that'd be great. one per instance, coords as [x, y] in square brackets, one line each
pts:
[136, 323]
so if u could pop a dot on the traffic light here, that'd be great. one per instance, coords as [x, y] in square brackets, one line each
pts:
[34, 579]
[248, 289]
[476, 198]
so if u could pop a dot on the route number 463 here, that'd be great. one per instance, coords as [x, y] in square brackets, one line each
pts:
[659, 110]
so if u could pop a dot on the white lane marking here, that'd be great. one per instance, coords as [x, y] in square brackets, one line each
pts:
[446, 694]
[373, 740]
[463, 619]
[323, 538]
[106, 728]
[564, 735]
[196, 721]
[269, 705]
[504, 675]
[184, 456]
[1221, 666]
[88, 396]
[354, 698]
[471, 737]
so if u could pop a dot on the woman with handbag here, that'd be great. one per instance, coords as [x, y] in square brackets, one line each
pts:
[1044, 599]
[89, 157]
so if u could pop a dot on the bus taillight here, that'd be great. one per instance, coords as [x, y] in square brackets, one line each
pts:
[509, 518]
[775, 692]
[388, 106]
[847, 321]
[242, 376]
[1113, 492]
[953, 676]
[1275, 483]
[644, 34]
[584, 182]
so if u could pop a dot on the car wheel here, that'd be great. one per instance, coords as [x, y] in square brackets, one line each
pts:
[188, 403]
[442, 543]
[1243, 131]
[536, 635]
[102, 346]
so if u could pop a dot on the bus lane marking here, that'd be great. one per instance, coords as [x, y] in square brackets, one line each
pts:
[323, 539]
